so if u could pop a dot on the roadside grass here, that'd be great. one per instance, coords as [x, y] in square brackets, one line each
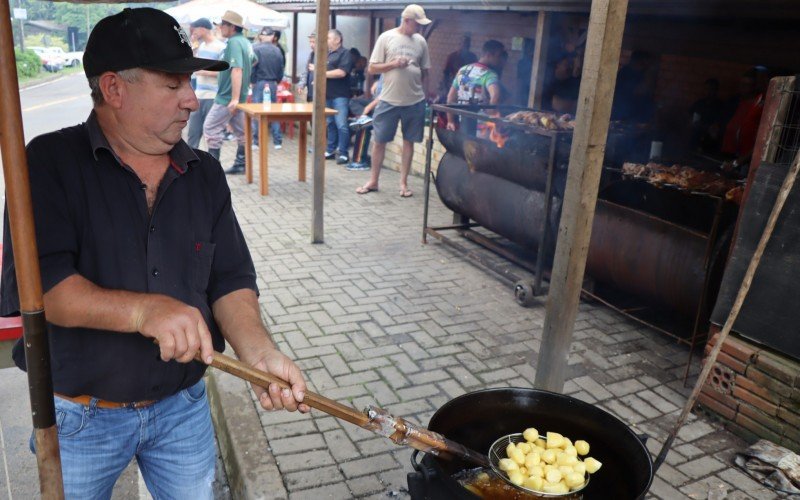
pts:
[45, 75]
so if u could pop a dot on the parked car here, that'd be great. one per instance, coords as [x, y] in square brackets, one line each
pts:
[73, 59]
[70, 58]
[51, 61]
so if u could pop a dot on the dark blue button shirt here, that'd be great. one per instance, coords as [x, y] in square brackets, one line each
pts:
[91, 219]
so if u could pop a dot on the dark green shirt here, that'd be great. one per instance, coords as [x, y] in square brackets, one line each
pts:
[239, 54]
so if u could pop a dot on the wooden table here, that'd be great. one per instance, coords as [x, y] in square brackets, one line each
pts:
[300, 112]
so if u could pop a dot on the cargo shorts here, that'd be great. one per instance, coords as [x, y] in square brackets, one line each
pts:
[411, 118]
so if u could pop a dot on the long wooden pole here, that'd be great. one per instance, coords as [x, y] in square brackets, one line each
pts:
[606, 24]
[26, 262]
[539, 64]
[319, 122]
[373, 418]
[295, 28]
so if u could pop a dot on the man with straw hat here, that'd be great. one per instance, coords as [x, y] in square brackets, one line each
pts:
[234, 84]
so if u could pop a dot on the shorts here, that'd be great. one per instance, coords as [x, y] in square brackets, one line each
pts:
[386, 116]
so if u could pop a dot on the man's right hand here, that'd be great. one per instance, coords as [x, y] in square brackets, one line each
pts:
[401, 62]
[180, 329]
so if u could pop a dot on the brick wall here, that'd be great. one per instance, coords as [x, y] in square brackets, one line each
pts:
[756, 391]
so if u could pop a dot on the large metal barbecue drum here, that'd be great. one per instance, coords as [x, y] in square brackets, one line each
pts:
[479, 418]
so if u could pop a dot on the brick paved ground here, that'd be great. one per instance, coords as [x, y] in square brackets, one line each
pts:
[374, 316]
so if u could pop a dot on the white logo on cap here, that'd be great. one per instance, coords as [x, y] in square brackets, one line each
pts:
[183, 35]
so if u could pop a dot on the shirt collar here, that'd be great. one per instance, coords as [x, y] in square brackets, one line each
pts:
[180, 157]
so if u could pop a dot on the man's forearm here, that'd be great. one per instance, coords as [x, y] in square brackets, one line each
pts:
[239, 318]
[77, 302]
[236, 84]
[335, 73]
[379, 68]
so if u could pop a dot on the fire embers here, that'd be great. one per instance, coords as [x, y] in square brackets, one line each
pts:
[685, 178]
[495, 133]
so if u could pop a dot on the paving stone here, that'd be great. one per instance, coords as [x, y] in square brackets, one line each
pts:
[362, 486]
[593, 388]
[625, 387]
[312, 478]
[305, 460]
[296, 444]
[340, 445]
[701, 467]
[333, 491]
[369, 465]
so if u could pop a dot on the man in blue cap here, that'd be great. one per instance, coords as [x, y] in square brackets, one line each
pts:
[138, 243]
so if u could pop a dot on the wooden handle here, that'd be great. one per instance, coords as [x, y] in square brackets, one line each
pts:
[263, 379]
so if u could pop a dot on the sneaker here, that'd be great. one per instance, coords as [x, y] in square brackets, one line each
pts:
[358, 166]
[342, 160]
[330, 156]
[235, 170]
[279, 146]
[229, 136]
[255, 145]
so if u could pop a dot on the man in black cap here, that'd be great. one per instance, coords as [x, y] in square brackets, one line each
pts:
[138, 243]
[268, 72]
[234, 84]
[206, 90]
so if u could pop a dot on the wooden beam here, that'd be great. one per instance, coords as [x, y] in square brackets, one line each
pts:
[26, 261]
[606, 24]
[319, 122]
[372, 34]
[539, 66]
[295, 26]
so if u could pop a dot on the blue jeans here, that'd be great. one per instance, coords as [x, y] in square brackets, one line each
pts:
[172, 440]
[258, 97]
[338, 129]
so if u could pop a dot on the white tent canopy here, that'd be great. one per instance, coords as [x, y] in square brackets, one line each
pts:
[255, 16]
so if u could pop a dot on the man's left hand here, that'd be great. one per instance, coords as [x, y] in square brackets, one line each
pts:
[274, 397]
[232, 107]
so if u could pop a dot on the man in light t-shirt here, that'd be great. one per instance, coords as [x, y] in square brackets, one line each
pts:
[210, 48]
[401, 56]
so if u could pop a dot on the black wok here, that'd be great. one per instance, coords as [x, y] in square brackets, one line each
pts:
[478, 418]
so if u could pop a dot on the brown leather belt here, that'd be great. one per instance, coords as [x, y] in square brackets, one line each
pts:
[108, 405]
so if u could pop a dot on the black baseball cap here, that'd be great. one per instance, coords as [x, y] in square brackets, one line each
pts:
[202, 23]
[142, 38]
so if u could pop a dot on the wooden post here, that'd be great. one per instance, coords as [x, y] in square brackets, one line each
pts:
[295, 26]
[26, 261]
[539, 66]
[318, 127]
[372, 34]
[606, 24]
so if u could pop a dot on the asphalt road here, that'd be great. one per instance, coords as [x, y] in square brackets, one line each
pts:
[53, 105]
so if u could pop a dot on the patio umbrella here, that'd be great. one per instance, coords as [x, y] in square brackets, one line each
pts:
[255, 16]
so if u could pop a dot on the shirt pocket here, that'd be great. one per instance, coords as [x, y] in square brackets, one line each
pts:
[202, 261]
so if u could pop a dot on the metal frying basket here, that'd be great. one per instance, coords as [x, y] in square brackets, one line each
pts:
[498, 451]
